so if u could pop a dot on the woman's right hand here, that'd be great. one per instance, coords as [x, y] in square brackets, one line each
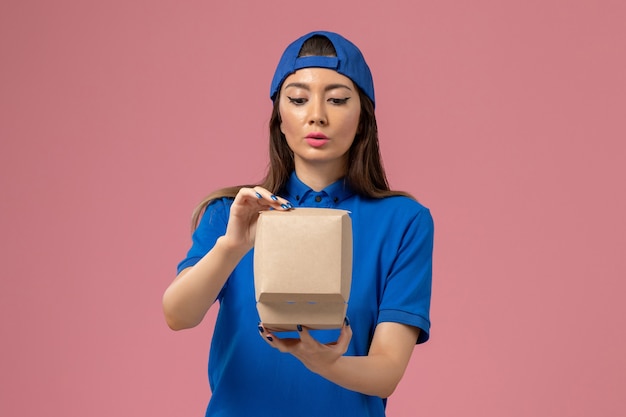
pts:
[194, 290]
[244, 213]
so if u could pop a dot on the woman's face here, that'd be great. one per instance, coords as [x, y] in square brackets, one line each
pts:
[319, 110]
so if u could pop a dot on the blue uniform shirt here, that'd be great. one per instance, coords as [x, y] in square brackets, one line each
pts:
[391, 282]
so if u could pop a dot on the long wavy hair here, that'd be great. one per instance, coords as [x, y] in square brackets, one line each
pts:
[365, 174]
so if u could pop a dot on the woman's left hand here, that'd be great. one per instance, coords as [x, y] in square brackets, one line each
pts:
[314, 355]
[378, 373]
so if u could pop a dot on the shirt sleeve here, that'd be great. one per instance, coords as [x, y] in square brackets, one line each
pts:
[211, 227]
[407, 292]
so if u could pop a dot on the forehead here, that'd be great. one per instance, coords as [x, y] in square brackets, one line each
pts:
[318, 77]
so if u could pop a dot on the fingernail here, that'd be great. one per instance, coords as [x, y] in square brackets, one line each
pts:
[289, 205]
[299, 328]
[261, 329]
[346, 321]
[273, 197]
[270, 338]
[258, 195]
[284, 206]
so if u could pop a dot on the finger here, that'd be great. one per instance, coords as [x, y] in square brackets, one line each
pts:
[284, 345]
[250, 195]
[267, 336]
[246, 200]
[272, 200]
[276, 342]
[344, 336]
[305, 335]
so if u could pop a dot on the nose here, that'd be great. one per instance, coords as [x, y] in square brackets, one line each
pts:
[317, 115]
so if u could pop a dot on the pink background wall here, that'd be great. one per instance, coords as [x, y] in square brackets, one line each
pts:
[506, 118]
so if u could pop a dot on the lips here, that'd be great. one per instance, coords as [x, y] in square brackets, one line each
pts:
[317, 135]
[316, 139]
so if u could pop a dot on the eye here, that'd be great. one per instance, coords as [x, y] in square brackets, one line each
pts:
[297, 101]
[338, 101]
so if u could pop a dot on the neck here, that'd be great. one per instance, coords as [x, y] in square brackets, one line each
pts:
[320, 176]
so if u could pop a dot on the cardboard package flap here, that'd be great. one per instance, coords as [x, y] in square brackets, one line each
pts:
[303, 268]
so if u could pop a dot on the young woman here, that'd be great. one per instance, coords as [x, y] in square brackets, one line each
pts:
[323, 153]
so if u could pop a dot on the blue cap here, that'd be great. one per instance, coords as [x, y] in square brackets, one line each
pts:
[349, 62]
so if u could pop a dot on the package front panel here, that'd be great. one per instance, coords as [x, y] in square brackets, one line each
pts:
[304, 278]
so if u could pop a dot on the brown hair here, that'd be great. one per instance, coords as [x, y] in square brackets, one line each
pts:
[365, 175]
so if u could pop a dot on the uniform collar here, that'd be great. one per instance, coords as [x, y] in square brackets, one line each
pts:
[299, 194]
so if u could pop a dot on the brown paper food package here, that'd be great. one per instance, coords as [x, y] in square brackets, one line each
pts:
[303, 268]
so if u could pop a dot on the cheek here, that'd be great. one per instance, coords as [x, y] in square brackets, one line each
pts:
[287, 129]
[351, 125]
[290, 123]
[285, 126]
[286, 121]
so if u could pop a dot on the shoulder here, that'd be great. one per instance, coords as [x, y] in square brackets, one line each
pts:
[391, 216]
[220, 203]
[398, 205]
[411, 212]
[217, 211]
[404, 202]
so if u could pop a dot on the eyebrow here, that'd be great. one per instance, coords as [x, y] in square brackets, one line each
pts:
[327, 88]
